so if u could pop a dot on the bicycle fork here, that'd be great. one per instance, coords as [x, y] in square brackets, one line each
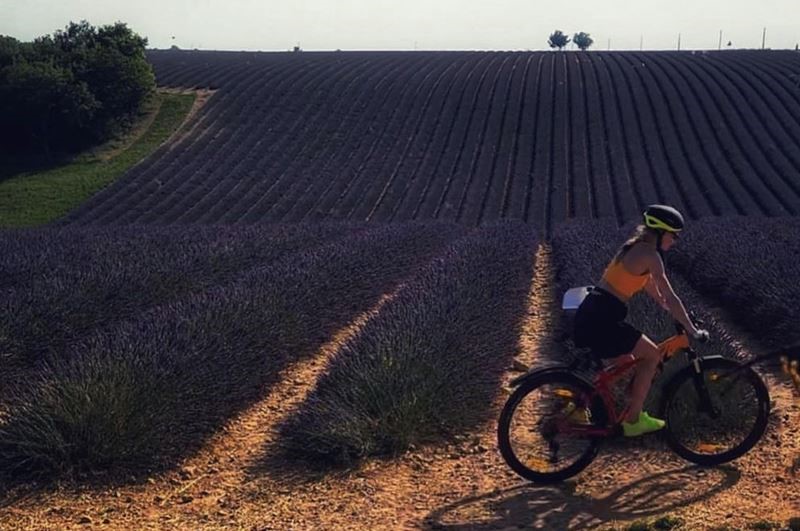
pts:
[705, 405]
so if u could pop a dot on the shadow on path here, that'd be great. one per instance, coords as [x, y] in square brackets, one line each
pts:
[559, 507]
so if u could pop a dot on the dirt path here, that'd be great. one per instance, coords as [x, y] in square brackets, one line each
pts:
[189, 123]
[465, 485]
[114, 147]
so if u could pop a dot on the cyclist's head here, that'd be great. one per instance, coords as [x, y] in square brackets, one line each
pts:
[663, 217]
[664, 220]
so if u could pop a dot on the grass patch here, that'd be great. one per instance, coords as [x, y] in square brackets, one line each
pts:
[39, 197]
[663, 523]
[764, 525]
[667, 522]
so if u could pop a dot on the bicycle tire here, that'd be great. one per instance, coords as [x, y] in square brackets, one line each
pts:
[529, 385]
[723, 368]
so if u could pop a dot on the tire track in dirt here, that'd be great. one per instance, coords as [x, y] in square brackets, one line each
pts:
[408, 492]
[235, 450]
[206, 491]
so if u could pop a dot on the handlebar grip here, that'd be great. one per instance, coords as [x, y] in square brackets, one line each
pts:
[702, 336]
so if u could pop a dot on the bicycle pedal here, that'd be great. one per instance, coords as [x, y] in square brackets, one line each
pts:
[581, 416]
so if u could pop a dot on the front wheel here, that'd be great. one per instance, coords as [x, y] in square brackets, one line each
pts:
[716, 415]
[543, 431]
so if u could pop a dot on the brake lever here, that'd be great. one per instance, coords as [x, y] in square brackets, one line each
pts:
[696, 321]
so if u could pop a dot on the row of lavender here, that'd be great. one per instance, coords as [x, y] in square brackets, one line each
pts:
[60, 284]
[751, 267]
[470, 137]
[429, 365]
[153, 386]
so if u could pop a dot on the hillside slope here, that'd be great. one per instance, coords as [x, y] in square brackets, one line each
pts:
[470, 137]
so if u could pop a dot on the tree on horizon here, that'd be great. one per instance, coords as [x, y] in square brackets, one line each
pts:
[558, 40]
[582, 40]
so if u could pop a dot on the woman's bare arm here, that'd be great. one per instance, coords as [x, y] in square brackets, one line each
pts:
[674, 304]
[655, 293]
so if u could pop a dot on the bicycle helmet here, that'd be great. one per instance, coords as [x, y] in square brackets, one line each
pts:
[663, 219]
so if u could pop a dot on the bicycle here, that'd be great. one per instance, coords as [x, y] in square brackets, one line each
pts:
[716, 409]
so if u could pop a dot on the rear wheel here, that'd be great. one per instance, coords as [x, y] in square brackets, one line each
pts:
[717, 415]
[542, 428]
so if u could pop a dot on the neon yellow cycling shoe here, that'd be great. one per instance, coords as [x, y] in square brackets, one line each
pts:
[645, 424]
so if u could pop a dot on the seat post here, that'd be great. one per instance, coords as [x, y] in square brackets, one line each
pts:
[587, 359]
[597, 361]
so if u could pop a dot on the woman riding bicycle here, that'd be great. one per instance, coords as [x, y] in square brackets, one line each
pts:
[599, 321]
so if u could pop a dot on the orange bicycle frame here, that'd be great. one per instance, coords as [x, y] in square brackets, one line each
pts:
[605, 379]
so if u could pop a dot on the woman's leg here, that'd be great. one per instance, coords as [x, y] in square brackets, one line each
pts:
[647, 352]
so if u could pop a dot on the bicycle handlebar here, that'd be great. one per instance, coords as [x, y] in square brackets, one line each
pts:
[698, 323]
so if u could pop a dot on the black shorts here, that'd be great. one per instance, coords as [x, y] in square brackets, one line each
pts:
[599, 325]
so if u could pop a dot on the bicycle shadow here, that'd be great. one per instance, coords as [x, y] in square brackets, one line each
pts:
[559, 507]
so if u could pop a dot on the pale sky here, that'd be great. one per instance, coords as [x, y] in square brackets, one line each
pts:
[272, 25]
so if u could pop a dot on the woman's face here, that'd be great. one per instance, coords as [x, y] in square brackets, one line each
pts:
[668, 240]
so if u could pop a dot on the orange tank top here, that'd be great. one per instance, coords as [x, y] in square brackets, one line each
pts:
[625, 283]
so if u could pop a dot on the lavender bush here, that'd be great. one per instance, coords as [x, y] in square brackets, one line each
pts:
[430, 363]
[751, 267]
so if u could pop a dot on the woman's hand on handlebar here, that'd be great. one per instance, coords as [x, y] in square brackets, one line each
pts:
[698, 334]
[701, 335]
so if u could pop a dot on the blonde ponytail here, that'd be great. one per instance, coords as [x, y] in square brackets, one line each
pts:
[639, 235]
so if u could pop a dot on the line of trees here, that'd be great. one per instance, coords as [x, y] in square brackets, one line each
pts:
[558, 40]
[73, 89]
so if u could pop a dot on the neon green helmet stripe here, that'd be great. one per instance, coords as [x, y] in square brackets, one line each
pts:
[656, 223]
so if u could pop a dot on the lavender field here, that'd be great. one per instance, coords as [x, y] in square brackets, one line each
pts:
[312, 187]
[132, 345]
[469, 137]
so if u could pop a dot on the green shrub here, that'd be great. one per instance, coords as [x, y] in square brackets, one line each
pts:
[70, 90]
